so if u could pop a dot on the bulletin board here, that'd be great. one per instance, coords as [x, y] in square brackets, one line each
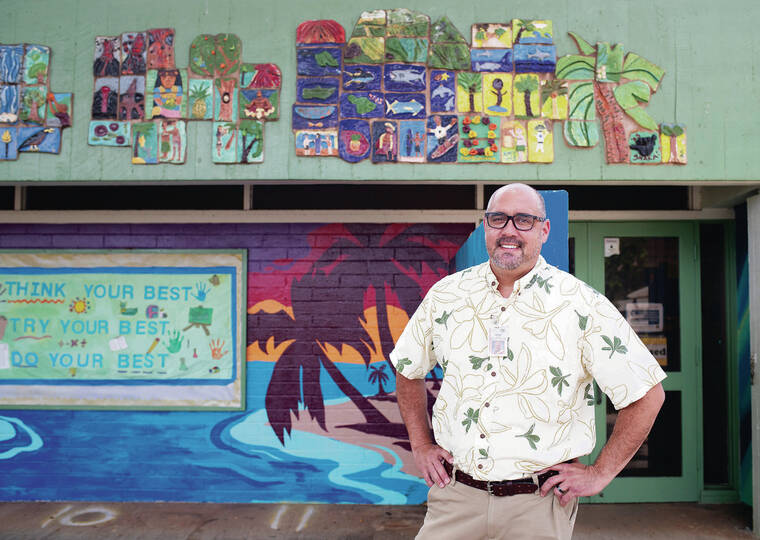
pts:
[144, 330]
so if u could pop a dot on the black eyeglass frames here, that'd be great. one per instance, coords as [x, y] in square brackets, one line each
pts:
[522, 222]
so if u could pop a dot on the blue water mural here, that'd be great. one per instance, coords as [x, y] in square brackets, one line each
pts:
[193, 456]
[16, 437]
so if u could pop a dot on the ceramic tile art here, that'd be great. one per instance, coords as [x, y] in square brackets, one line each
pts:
[412, 138]
[478, 139]
[131, 97]
[469, 92]
[145, 142]
[442, 138]
[673, 143]
[401, 88]
[105, 133]
[540, 141]
[514, 142]
[443, 91]
[354, 140]
[491, 35]
[384, 141]
[143, 100]
[32, 116]
[497, 94]
[172, 140]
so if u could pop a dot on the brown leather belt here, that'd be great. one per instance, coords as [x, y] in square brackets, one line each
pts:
[501, 488]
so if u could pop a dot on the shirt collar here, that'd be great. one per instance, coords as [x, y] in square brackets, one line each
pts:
[493, 283]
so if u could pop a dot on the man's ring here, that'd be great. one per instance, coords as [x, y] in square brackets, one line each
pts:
[563, 491]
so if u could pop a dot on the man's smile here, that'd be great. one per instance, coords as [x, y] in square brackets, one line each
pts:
[510, 244]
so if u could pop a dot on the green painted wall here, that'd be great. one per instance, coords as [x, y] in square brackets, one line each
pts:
[708, 50]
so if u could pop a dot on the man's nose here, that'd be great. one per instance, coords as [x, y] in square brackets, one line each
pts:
[511, 223]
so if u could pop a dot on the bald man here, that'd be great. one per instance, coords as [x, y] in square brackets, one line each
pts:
[520, 343]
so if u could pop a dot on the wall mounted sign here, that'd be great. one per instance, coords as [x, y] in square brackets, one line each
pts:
[401, 89]
[31, 115]
[148, 330]
[143, 101]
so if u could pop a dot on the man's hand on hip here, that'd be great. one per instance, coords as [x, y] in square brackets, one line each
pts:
[428, 459]
[573, 480]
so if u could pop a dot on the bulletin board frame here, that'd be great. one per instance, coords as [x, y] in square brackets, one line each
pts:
[123, 329]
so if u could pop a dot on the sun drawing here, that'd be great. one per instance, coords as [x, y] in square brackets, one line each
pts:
[79, 305]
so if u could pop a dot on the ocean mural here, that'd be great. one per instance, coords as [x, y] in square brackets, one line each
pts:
[325, 304]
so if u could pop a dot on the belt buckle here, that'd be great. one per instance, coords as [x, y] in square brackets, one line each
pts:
[488, 487]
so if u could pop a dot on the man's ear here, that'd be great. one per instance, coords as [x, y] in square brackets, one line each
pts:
[545, 231]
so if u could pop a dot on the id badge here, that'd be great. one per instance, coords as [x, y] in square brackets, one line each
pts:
[497, 341]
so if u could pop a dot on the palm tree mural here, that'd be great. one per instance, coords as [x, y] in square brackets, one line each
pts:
[471, 83]
[525, 86]
[550, 93]
[252, 133]
[340, 295]
[377, 375]
[525, 26]
[673, 131]
[599, 70]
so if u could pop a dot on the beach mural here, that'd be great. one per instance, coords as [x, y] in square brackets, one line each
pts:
[325, 305]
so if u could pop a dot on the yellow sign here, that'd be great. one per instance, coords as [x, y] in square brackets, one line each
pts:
[658, 346]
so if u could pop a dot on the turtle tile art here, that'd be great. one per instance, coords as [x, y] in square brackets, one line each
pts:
[143, 100]
[32, 116]
[401, 88]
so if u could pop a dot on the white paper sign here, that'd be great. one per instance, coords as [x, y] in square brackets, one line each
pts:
[611, 247]
[644, 316]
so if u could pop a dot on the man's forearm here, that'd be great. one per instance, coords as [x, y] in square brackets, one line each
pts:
[631, 429]
[412, 401]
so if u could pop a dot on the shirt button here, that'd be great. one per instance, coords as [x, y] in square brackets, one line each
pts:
[493, 374]
[503, 308]
[482, 435]
[486, 404]
[480, 466]
[493, 284]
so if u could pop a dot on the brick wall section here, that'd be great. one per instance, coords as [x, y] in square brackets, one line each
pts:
[322, 271]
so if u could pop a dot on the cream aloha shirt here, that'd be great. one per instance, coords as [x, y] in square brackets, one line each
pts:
[503, 417]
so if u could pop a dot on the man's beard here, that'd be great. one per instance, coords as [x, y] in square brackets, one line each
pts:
[507, 260]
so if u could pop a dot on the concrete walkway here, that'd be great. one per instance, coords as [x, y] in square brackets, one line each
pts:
[188, 521]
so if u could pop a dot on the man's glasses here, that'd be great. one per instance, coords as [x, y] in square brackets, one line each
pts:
[522, 222]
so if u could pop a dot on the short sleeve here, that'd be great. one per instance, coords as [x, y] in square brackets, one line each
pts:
[413, 355]
[620, 363]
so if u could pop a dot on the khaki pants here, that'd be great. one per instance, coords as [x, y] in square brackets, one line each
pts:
[459, 511]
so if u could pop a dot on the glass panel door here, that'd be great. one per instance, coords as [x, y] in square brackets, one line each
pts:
[650, 272]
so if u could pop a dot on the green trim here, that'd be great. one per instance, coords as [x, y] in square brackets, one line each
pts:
[659, 489]
[718, 496]
[698, 407]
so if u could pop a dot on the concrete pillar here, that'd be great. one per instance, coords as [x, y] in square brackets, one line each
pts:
[753, 241]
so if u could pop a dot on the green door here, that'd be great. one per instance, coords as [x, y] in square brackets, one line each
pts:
[650, 271]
